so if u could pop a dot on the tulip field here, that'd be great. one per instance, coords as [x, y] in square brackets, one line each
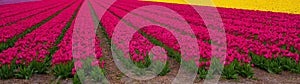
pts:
[39, 38]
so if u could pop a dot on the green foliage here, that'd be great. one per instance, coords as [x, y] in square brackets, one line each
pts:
[97, 74]
[7, 71]
[209, 41]
[120, 56]
[255, 37]
[63, 70]
[22, 71]
[202, 73]
[189, 66]
[141, 68]
[287, 63]
[292, 49]
[283, 47]
[276, 65]
[39, 67]
[296, 69]
[25, 72]
[216, 66]
[141, 64]
[230, 71]
[245, 70]
[165, 70]
[3, 46]
[76, 79]
[270, 65]
[81, 75]
[53, 50]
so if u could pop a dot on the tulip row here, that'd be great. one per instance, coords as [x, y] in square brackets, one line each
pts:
[14, 18]
[14, 9]
[226, 13]
[272, 48]
[30, 53]
[288, 54]
[74, 41]
[234, 26]
[5, 8]
[158, 36]
[249, 44]
[10, 34]
[21, 26]
[261, 34]
[139, 48]
[271, 35]
[111, 20]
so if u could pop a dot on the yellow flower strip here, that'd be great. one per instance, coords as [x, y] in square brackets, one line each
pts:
[285, 6]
